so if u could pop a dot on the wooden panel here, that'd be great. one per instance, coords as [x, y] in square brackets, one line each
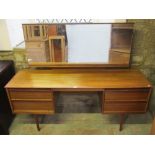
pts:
[35, 44]
[37, 56]
[117, 57]
[27, 94]
[32, 106]
[121, 38]
[127, 94]
[37, 51]
[71, 78]
[125, 107]
[35, 31]
[123, 26]
[52, 30]
[57, 48]
[60, 65]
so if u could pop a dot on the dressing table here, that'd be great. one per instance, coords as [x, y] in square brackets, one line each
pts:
[121, 90]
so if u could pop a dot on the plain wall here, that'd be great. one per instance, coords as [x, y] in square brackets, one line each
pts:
[5, 43]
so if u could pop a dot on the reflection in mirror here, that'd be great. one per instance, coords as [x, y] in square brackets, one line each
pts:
[88, 43]
[79, 43]
[36, 31]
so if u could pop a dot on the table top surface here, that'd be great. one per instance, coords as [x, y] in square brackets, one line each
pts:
[69, 78]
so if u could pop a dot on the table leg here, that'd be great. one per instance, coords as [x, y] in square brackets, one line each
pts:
[37, 122]
[122, 120]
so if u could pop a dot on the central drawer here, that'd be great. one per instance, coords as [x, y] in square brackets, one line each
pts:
[31, 94]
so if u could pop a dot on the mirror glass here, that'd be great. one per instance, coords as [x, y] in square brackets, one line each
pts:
[79, 43]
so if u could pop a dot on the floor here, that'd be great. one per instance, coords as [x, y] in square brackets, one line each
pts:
[81, 124]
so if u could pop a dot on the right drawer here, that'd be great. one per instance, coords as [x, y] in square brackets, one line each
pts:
[127, 95]
[125, 100]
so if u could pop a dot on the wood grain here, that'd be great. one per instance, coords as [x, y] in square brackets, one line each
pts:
[126, 107]
[120, 91]
[32, 105]
[79, 79]
[31, 94]
[127, 95]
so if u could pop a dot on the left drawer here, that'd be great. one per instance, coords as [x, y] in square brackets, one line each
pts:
[31, 94]
[33, 107]
[32, 101]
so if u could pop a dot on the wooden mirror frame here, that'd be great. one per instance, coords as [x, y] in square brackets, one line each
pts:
[79, 65]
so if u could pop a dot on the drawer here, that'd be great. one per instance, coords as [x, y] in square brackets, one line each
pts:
[126, 107]
[32, 107]
[31, 94]
[127, 94]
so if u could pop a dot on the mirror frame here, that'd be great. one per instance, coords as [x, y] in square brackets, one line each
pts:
[80, 65]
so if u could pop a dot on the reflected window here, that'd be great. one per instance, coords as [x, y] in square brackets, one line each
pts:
[89, 43]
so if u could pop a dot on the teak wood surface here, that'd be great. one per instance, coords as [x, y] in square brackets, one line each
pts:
[120, 91]
[88, 79]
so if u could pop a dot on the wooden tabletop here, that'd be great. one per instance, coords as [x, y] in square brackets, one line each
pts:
[69, 78]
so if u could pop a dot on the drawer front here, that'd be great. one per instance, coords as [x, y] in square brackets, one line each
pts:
[127, 94]
[31, 94]
[33, 107]
[126, 107]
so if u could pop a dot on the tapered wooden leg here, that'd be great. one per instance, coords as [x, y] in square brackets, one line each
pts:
[37, 122]
[122, 120]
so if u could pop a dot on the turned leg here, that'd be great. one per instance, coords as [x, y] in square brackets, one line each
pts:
[122, 120]
[37, 122]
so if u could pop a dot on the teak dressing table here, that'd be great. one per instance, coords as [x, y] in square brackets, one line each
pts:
[121, 91]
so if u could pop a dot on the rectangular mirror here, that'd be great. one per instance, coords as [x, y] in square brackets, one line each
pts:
[87, 44]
